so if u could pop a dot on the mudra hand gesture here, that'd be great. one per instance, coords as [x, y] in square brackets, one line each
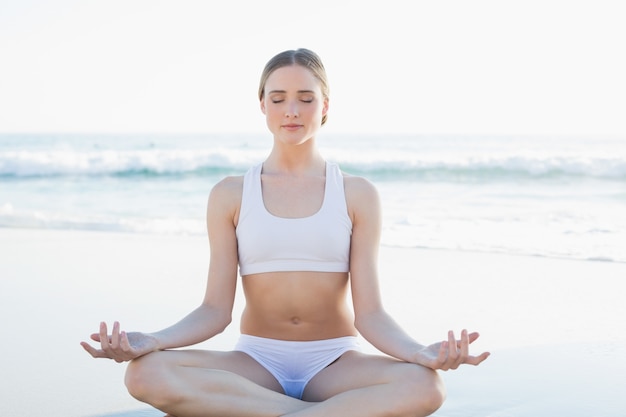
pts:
[120, 346]
[450, 354]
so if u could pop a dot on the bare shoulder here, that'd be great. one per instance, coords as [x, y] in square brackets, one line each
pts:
[359, 188]
[226, 194]
[230, 184]
[361, 195]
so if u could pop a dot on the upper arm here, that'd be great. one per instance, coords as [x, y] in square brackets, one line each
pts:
[365, 210]
[222, 212]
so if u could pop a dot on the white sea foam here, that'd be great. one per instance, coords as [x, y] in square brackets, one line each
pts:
[392, 163]
[557, 198]
[120, 162]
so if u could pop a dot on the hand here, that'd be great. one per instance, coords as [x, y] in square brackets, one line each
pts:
[450, 354]
[120, 346]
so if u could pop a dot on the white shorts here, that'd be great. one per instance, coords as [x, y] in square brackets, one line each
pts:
[294, 363]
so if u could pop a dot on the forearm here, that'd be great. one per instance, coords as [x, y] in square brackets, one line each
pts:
[201, 324]
[382, 331]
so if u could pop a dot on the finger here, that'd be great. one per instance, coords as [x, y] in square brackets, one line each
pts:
[473, 336]
[476, 360]
[451, 339]
[442, 355]
[465, 341]
[92, 351]
[464, 350]
[453, 353]
[124, 352]
[482, 357]
[115, 335]
[124, 342]
[95, 337]
[104, 337]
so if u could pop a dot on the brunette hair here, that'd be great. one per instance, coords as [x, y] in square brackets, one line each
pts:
[303, 57]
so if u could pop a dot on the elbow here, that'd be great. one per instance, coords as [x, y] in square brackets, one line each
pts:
[214, 318]
[357, 324]
[371, 319]
[225, 322]
[360, 323]
[220, 320]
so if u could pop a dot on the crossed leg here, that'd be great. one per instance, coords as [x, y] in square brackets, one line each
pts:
[194, 383]
[190, 383]
[359, 384]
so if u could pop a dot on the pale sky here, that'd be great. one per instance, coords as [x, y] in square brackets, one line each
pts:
[419, 67]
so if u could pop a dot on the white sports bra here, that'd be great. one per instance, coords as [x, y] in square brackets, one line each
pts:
[267, 243]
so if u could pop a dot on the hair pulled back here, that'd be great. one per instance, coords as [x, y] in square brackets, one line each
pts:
[303, 57]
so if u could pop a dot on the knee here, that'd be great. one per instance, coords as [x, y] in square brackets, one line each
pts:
[424, 390]
[435, 393]
[146, 379]
[140, 376]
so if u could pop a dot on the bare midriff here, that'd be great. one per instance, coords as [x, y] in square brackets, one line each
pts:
[297, 306]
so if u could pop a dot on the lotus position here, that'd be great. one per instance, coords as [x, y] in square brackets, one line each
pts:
[301, 234]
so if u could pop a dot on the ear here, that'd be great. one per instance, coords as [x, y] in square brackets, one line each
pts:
[262, 105]
[325, 107]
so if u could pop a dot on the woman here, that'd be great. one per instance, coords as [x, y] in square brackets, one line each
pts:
[302, 233]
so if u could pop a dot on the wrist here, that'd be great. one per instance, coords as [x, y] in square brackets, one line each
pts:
[157, 342]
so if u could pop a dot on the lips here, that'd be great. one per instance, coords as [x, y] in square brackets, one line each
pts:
[292, 126]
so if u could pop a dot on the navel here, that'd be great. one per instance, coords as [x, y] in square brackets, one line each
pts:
[295, 320]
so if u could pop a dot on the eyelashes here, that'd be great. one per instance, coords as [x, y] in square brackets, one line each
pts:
[303, 101]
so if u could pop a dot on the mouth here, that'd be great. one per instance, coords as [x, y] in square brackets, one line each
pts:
[292, 126]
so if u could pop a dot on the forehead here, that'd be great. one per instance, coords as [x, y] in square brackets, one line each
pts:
[292, 77]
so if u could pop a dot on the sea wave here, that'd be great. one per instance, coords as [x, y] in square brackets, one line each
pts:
[10, 217]
[50, 163]
[391, 164]
[395, 236]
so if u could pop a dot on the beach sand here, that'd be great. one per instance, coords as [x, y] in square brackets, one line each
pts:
[555, 327]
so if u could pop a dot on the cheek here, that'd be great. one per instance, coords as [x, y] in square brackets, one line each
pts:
[320, 112]
[273, 113]
[268, 110]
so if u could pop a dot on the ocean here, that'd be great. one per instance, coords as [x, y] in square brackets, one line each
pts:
[561, 197]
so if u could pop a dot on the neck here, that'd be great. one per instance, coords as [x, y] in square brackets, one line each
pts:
[295, 160]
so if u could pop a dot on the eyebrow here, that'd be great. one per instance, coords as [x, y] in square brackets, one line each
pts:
[284, 92]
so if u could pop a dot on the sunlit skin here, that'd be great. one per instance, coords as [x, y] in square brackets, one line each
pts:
[293, 115]
[289, 305]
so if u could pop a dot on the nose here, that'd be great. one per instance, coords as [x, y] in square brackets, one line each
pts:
[292, 110]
